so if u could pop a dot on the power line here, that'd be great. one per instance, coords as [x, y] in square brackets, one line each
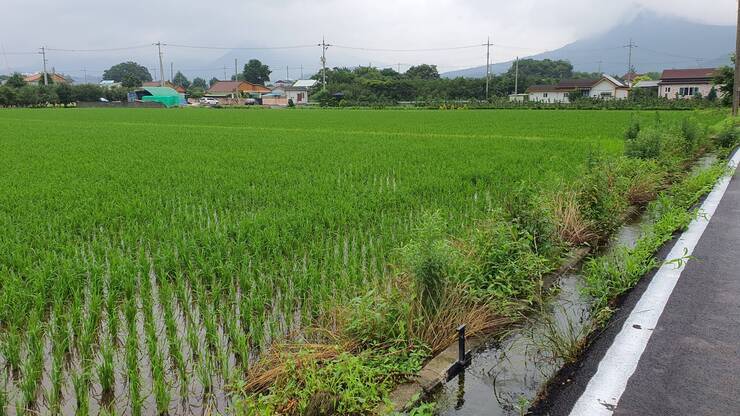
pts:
[452, 48]
[174, 45]
[125, 48]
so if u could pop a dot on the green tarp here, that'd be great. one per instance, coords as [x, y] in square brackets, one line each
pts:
[164, 95]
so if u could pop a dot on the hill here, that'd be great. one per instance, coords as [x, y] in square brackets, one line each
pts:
[663, 42]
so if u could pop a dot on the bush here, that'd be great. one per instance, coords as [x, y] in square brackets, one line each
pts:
[429, 259]
[645, 145]
[725, 134]
[504, 266]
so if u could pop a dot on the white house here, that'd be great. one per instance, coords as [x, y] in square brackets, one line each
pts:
[606, 87]
[685, 83]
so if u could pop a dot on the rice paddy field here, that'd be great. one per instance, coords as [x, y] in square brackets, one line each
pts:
[148, 256]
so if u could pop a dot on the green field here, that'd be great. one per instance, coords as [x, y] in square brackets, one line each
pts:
[147, 256]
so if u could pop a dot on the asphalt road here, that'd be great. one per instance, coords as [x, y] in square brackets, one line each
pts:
[691, 365]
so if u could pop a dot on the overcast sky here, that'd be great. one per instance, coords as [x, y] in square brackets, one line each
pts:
[525, 26]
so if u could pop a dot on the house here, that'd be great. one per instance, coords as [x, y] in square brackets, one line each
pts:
[38, 78]
[167, 84]
[518, 98]
[647, 87]
[685, 83]
[298, 92]
[232, 90]
[167, 96]
[606, 87]
[108, 84]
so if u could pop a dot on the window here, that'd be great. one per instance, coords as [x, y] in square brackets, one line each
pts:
[688, 91]
[606, 94]
[544, 94]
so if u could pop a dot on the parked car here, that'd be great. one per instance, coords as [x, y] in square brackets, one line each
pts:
[208, 101]
[250, 101]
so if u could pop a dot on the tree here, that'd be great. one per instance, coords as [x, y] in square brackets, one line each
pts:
[28, 95]
[423, 71]
[212, 81]
[724, 78]
[128, 70]
[15, 81]
[87, 92]
[256, 72]
[130, 81]
[199, 83]
[7, 96]
[65, 94]
[181, 80]
[712, 96]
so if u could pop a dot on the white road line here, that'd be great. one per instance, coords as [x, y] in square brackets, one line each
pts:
[620, 361]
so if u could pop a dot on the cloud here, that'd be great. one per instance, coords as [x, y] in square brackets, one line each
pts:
[526, 26]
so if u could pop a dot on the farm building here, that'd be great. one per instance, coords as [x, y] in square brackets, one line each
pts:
[168, 84]
[108, 83]
[686, 83]
[164, 95]
[606, 87]
[38, 78]
[235, 89]
[297, 92]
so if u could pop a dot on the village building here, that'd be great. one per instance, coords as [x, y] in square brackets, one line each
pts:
[297, 92]
[38, 78]
[606, 87]
[167, 84]
[686, 83]
[229, 92]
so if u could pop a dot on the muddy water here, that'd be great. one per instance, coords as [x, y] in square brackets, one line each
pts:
[506, 375]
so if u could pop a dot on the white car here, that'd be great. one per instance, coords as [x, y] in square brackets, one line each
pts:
[208, 101]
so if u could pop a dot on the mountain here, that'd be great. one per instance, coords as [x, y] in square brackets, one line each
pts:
[662, 42]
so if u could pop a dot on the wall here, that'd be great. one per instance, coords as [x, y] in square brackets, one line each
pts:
[605, 86]
[670, 91]
[552, 97]
[294, 96]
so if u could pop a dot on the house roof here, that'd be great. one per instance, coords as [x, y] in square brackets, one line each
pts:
[687, 74]
[646, 83]
[229, 87]
[616, 82]
[161, 91]
[166, 83]
[542, 88]
[39, 76]
[305, 83]
[577, 83]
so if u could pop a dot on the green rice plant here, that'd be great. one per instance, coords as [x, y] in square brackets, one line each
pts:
[106, 372]
[81, 383]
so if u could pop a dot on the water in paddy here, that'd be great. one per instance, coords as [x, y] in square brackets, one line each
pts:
[505, 375]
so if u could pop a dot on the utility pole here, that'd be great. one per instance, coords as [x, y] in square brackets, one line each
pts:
[301, 71]
[516, 76]
[43, 61]
[225, 73]
[324, 47]
[629, 63]
[84, 71]
[736, 85]
[161, 65]
[287, 72]
[600, 62]
[488, 65]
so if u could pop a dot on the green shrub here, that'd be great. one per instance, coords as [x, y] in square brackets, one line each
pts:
[429, 258]
[505, 266]
[646, 145]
